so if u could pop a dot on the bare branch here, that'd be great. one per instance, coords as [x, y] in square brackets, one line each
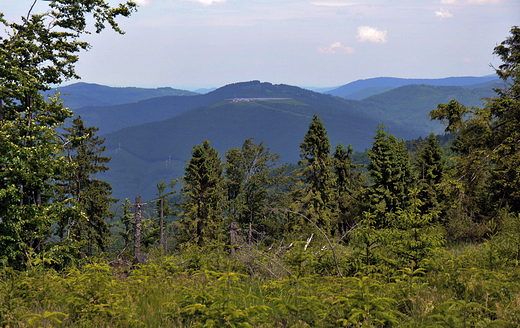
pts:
[345, 234]
[270, 258]
[332, 248]
[30, 10]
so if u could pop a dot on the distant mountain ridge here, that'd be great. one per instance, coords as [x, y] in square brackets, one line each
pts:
[83, 94]
[113, 118]
[149, 140]
[411, 104]
[158, 150]
[361, 89]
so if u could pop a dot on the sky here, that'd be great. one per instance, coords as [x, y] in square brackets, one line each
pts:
[190, 44]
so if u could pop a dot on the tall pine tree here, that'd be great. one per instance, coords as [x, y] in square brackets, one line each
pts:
[391, 172]
[203, 191]
[89, 193]
[349, 184]
[317, 198]
[430, 167]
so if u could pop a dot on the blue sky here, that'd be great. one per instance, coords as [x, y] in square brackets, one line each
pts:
[321, 43]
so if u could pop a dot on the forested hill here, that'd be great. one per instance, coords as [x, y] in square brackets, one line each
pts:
[145, 154]
[361, 89]
[158, 150]
[82, 94]
[411, 104]
[113, 118]
[408, 105]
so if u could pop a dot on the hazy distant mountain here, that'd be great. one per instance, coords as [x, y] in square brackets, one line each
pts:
[146, 154]
[113, 118]
[368, 92]
[82, 94]
[361, 89]
[321, 90]
[411, 104]
[205, 90]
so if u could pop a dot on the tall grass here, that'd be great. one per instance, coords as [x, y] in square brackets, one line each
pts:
[455, 288]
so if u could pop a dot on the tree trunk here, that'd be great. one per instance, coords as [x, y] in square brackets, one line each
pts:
[137, 230]
[161, 223]
[233, 240]
[166, 241]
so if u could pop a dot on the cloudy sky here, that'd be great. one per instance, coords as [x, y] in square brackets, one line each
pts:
[321, 43]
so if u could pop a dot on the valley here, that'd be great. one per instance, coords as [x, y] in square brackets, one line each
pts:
[150, 140]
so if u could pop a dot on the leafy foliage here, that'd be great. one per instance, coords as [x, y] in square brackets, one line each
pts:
[254, 180]
[486, 171]
[387, 269]
[39, 51]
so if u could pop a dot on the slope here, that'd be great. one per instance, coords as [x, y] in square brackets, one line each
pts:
[82, 94]
[412, 104]
[363, 88]
[113, 118]
[150, 140]
[146, 154]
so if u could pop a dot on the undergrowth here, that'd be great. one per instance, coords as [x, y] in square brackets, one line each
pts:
[296, 287]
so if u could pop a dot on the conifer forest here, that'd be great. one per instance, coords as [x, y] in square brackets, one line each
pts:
[427, 234]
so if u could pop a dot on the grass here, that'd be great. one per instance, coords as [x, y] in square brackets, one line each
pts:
[214, 289]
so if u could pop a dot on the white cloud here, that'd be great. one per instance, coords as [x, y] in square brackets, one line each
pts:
[141, 3]
[471, 2]
[477, 2]
[336, 48]
[333, 4]
[207, 2]
[443, 14]
[370, 34]
[482, 2]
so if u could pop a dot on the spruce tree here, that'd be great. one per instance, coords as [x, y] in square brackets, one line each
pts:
[203, 191]
[391, 172]
[91, 195]
[317, 198]
[235, 173]
[413, 235]
[164, 209]
[430, 167]
[127, 219]
[349, 184]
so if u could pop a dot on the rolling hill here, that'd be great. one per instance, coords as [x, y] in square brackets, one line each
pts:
[361, 89]
[158, 150]
[113, 118]
[411, 104]
[150, 140]
[82, 94]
